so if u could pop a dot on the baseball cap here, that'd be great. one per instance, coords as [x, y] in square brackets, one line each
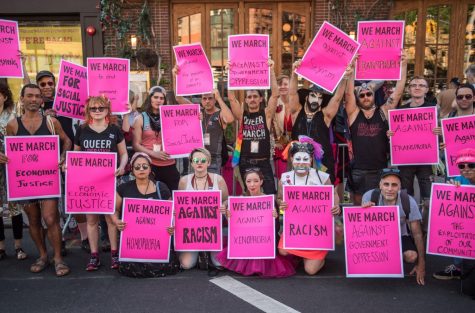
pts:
[42, 74]
[466, 156]
[390, 171]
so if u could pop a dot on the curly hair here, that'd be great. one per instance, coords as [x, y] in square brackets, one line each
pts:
[102, 101]
[7, 93]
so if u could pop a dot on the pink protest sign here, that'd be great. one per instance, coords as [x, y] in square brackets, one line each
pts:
[380, 51]
[145, 237]
[71, 90]
[373, 242]
[251, 230]
[110, 77]
[249, 56]
[451, 230]
[325, 61]
[195, 76]
[10, 61]
[308, 221]
[93, 193]
[181, 129]
[413, 142]
[197, 220]
[32, 168]
[459, 133]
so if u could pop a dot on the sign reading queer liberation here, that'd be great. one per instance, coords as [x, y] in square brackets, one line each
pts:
[459, 133]
[308, 221]
[195, 76]
[181, 129]
[380, 51]
[146, 238]
[109, 77]
[451, 229]
[90, 182]
[197, 220]
[10, 61]
[71, 90]
[249, 56]
[413, 142]
[373, 242]
[32, 168]
[325, 61]
[251, 230]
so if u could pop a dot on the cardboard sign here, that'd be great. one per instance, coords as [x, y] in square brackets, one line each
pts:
[90, 182]
[251, 230]
[380, 51]
[10, 60]
[110, 77]
[451, 229]
[459, 133]
[373, 242]
[71, 90]
[327, 58]
[181, 129]
[249, 57]
[197, 220]
[145, 237]
[195, 76]
[413, 142]
[33, 167]
[308, 220]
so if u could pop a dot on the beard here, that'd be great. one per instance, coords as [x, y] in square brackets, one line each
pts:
[313, 106]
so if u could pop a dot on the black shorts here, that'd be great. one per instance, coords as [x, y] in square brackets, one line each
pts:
[407, 244]
[364, 180]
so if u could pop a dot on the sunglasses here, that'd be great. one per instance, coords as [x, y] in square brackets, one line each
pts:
[390, 170]
[95, 109]
[418, 85]
[467, 97]
[465, 165]
[200, 160]
[365, 94]
[43, 84]
[253, 169]
[141, 166]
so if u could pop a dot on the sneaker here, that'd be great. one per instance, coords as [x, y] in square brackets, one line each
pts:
[85, 245]
[94, 263]
[450, 272]
[115, 261]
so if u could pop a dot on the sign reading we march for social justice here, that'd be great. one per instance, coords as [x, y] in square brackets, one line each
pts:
[459, 133]
[451, 229]
[10, 60]
[90, 182]
[372, 242]
[33, 167]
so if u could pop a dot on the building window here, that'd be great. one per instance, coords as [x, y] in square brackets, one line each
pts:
[410, 18]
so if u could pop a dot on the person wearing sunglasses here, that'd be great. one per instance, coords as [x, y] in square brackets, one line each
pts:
[97, 134]
[202, 179]
[466, 163]
[464, 101]
[368, 125]
[412, 241]
[447, 97]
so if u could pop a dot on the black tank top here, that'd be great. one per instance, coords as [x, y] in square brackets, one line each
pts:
[42, 131]
[423, 105]
[316, 129]
[254, 129]
[370, 142]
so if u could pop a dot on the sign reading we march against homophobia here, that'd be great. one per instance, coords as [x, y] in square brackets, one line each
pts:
[308, 220]
[90, 182]
[379, 57]
[10, 60]
[372, 242]
[413, 142]
[197, 220]
[251, 230]
[451, 230]
[145, 237]
[32, 168]
[327, 58]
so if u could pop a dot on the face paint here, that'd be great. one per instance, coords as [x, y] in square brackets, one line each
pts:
[301, 162]
[314, 101]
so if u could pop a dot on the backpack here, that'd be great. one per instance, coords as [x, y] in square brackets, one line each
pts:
[405, 202]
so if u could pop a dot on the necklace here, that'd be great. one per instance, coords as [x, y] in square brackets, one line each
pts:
[207, 185]
[306, 178]
[146, 189]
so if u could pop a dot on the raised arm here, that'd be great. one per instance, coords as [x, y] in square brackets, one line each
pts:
[225, 113]
[332, 108]
[350, 100]
[272, 104]
[393, 100]
[294, 103]
[179, 99]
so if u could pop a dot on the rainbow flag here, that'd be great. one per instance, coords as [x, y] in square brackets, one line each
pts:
[237, 148]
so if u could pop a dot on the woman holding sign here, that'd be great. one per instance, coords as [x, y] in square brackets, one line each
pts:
[302, 154]
[98, 135]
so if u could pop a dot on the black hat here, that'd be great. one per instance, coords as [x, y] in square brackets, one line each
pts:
[455, 81]
[42, 74]
[390, 171]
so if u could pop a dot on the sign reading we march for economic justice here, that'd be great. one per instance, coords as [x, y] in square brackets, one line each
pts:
[10, 60]
[451, 229]
[372, 242]
[379, 57]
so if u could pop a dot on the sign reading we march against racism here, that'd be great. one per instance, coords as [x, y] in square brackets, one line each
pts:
[10, 60]
[459, 133]
[373, 242]
[451, 229]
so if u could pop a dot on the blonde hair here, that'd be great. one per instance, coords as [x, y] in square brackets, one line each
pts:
[200, 150]
[102, 100]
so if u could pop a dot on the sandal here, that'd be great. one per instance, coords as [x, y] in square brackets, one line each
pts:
[39, 265]
[20, 254]
[61, 269]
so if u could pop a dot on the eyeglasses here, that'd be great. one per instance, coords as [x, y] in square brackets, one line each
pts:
[200, 160]
[43, 84]
[467, 97]
[465, 165]
[95, 109]
[252, 97]
[141, 166]
[418, 85]
[365, 94]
